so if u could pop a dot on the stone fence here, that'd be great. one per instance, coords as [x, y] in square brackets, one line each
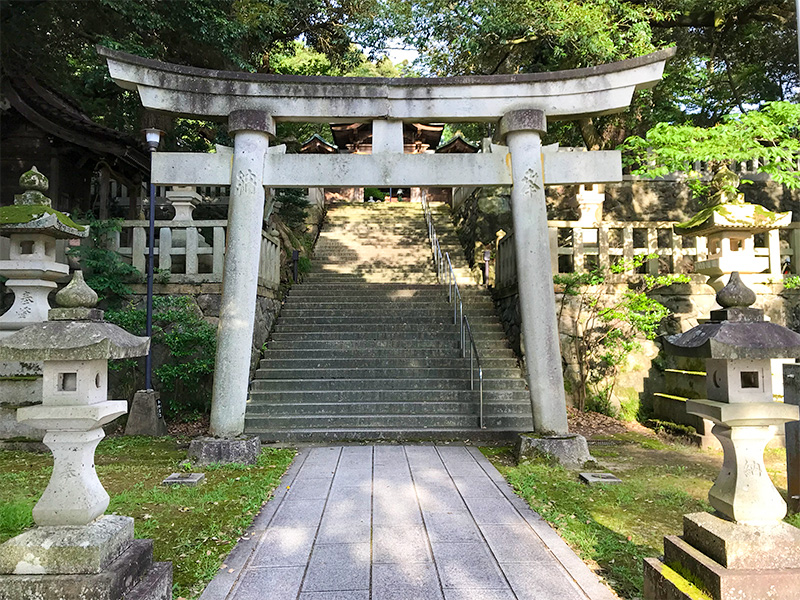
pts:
[191, 251]
[577, 248]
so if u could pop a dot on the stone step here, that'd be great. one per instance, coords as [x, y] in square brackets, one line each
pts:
[256, 422]
[418, 347]
[369, 336]
[278, 360]
[387, 353]
[277, 409]
[392, 324]
[424, 346]
[310, 385]
[353, 373]
[517, 399]
[397, 314]
[351, 434]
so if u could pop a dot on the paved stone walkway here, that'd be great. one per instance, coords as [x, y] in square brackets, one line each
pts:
[400, 523]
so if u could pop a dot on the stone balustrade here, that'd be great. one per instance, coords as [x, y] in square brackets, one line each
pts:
[576, 248]
[191, 251]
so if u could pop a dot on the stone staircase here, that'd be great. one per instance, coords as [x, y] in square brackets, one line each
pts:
[366, 348]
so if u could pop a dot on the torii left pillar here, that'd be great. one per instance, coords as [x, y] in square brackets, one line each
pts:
[522, 131]
[252, 131]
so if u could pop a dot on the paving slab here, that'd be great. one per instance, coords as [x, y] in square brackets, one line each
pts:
[400, 522]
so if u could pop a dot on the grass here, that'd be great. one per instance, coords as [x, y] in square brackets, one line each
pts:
[613, 527]
[194, 527]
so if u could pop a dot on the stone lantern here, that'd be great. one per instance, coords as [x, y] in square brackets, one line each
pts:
[33, 227]
[729, 224]
[73, 536]
[31, 269]
[745, 550]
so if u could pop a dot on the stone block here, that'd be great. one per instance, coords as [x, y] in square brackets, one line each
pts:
[570, 450]
[156, 585]
[738, 546]
[67, 550]
[187, 479]
[731, 584]
[594, 478]
[662, 583]
[206, 451]
[146, 416]
[131, 576]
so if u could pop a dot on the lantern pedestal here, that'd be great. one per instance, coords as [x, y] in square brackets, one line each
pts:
[728, 560]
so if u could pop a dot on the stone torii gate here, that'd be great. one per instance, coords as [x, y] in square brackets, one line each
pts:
[253, 103]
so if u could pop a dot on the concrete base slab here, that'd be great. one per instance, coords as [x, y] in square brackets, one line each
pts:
[67, 550]
[569, 450]
[206, 451]
[145, 416]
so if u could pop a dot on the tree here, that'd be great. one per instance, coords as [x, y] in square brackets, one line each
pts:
[731, 53]
[606, 329]
[54, 41]
[771, 135]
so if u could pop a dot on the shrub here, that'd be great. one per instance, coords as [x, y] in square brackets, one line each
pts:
[186, 345]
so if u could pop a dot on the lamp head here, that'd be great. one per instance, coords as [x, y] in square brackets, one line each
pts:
[153, 137]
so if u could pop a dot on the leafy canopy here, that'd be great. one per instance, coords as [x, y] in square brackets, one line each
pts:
[771, 135]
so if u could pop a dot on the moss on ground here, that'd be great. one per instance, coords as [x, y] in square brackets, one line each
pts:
[195, 528]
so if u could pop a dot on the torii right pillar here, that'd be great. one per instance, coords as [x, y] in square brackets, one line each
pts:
[521, 130]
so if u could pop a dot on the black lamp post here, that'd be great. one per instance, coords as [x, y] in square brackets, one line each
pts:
[153, 137]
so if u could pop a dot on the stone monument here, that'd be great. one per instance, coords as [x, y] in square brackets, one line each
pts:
[76, 551]
[32, 270]
[744, 550]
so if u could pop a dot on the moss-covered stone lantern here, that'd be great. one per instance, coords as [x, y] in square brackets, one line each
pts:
[729, 224]
[33, 227]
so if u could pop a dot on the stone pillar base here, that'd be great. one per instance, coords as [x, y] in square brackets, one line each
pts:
[145, 416]
[727, 561]
[570, 450]
[99, 561]
[205, 451]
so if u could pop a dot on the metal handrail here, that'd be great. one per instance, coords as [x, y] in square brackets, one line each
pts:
[447, 276]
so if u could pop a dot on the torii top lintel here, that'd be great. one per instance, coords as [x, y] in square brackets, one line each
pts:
[562, 95]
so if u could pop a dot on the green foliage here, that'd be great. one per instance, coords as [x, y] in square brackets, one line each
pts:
[374, 193]
[607, 329]
[104, 270]
[187, 343]
[303, 265]
[670, 427]
[792, 282]
[54, 41]
[771, 135]
[294, 206]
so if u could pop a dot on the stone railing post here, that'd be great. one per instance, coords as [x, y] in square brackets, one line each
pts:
[252, 131]
[521, 130]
